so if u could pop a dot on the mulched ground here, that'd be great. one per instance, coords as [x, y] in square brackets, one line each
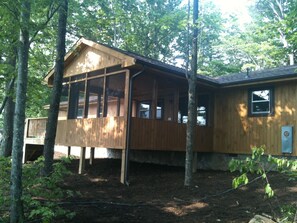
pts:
[156, 194]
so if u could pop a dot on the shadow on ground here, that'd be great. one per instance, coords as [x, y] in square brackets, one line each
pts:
[156, 194]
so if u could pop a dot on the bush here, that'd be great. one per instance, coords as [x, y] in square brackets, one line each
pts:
[41, 195]
[261, 164]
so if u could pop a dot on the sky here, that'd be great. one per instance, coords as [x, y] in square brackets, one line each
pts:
[239, 7]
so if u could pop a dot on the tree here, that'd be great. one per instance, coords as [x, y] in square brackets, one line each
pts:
[192, 108]
[16, 214]
[8, 39]
[51, 125]
[277, 18]
[150, 28]
[8, 105]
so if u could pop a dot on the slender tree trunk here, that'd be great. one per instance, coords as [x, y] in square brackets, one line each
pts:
[6, 145]
[9, 87]
[9, 105]
[16, 208]
[51, 125]
[192, 108]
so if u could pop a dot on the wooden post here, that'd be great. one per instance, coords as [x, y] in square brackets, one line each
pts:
[176, 105]
[195, 162]
[123, 166]
[25, 137]
[69, 151]
[82, 160]
[154, 100]
[92, 155]
[125, 151]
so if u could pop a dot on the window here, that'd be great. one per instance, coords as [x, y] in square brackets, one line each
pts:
[261, 101]
[160, 109]
[144, 108]
[202, 110]
[76, 100]
[201, 115]
[94, 98]
[114, 95]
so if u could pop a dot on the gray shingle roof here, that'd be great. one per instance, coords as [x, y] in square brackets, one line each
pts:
[225, 80]
[260, 75]
[221, 81]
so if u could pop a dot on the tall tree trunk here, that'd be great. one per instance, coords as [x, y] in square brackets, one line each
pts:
[192, 108]
[6, 145]
[16, 209]
[8, 103]
[51, 125]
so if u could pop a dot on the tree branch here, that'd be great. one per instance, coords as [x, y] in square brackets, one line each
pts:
[50, 13]
[11, 9]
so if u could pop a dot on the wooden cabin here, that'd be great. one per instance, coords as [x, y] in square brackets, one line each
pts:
[117, 99]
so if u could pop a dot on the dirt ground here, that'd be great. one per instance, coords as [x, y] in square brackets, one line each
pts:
[156, 194]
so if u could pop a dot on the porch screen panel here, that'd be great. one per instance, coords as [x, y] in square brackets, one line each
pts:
[64, 102]
[76, 100]
[114, 95]
[94, 98]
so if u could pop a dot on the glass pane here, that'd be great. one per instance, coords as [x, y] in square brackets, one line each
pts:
[202, 110]
[94, 98]
[183, 110]
[144, 110]
[261, 107]
[261, 95]
[160, 109]
[201, 115]
[115, 92]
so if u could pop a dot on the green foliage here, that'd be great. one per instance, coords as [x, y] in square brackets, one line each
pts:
[41, 195]
[261, 164]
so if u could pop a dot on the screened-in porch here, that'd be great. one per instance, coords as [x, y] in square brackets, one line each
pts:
[94, 112]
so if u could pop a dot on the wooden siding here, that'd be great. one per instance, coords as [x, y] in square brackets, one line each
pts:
[88, 60]
[92, 132]
[236, 132]
[148, 134]
[36, 128]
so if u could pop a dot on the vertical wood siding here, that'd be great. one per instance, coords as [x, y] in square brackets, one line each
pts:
[92, 132]
[236, 132]
[148, 134]
[36, 128]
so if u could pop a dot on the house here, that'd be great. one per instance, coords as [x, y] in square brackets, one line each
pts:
[117, 99]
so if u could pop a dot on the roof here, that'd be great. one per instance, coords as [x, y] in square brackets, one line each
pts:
[161, 65]
[277, 73]
[225, 80]
[266, 75]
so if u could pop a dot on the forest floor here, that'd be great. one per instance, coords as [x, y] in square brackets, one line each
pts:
[156, 194]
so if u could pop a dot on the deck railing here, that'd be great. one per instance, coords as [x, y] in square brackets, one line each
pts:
[150, 134]
[105, 132]
[108, 132]
[35, 127]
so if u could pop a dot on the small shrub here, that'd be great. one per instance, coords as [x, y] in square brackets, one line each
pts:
[260, 164]
[41, 195]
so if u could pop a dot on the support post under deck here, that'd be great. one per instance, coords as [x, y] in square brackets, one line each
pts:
[82, 160]
[92, 155]
[69, 151]
[123, 166]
